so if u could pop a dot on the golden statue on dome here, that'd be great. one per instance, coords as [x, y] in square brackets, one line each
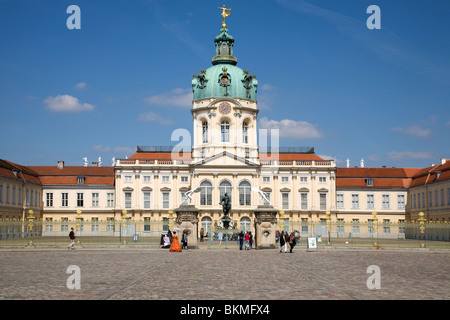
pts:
[224, 14]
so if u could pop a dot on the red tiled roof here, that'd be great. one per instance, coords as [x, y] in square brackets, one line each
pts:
[70, 174]
[432, 174]
[23, 173]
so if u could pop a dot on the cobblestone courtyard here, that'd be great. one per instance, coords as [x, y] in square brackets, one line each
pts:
[222, 274]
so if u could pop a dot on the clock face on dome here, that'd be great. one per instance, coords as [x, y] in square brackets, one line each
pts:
[224, 108]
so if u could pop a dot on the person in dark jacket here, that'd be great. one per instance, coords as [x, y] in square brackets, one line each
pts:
[292, 241]
[283, 241]
[72, 239]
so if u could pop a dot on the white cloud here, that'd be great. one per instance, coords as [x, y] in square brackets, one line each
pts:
[177, 98]
[406, 155]
[374, 158]
[291, 129]
[101, 149]
[414, 130]
[153, 117]
[80, 85]
[66, 103]
[124, 150]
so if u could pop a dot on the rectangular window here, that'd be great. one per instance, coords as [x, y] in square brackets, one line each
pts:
[355, 225]
[110, 224]
[304, 225]
[414, 201]
[184, 179]
[322, 179]
[323, 201]
[385, 201]
[284, 179]
[303, 179]
[370, 201]
[423, 200]
[1, 193]
[165, 200]
[80, 199]
[442, 197]
[340, 225]
[128, 198]
[95, 200]
[263, 201]
[386, 226]
[266, 179]
[165, 178]
[355, 201]
[146, 224]
[20, 196]
[110, 199]
[94, 224]
[49, 224]
[401, 201]
[64, 199]
[128, 178]
[430, 198]
[49, 200]
[304, 201]
[80, 180]
[340, 201]
[14, 195]
[64, 224]
[401, 226]
[436, 198]
[419, 205]
[165, 224]
[146, 196]
[147, 178]
[285, 200]
[247, 154]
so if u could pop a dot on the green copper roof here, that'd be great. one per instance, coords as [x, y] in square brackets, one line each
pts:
[224, 79]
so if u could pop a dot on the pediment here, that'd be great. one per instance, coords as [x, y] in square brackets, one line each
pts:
[225, 159]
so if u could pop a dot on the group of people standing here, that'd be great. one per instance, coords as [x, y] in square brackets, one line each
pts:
[171, 240]
[285, 239]
[245, 240]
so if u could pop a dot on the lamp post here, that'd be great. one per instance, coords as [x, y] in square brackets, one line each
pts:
[79, 218]
[328, 213]
[422, 221]
[124, 224]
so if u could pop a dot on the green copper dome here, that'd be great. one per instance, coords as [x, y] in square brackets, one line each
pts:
[224, 79]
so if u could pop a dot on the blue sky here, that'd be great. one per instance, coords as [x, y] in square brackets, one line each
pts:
[325, 79]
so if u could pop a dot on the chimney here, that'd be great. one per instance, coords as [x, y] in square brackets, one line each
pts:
[95, 164]
[60, 165]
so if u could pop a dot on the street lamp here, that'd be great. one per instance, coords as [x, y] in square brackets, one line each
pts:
[422, 227]
[124, 224]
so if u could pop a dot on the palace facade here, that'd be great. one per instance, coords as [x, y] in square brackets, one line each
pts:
[225, 158]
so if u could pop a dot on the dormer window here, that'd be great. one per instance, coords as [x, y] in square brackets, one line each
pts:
[80, 180]
[369, 182]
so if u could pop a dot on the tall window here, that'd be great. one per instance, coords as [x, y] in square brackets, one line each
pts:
[205, 131]
[355, 201]
[245, 132]
[340, 201]
[385, 201]
[80, 199]
[244, 193]
[304, 201]
[49, 200]
[165, 200]
[245, 224]
[146, 196]
[64, 199]
[225, 187]
[94, 224]
[285, 200]
[128, 196]
[95, 200]
[206, 193]
[147, 224]
[401, 201]
[225, 131]
[110, 199]
[370, 201]
[323, 201]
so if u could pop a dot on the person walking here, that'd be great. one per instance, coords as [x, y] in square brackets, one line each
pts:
[202, 234]
[72, 239]
[283, 242]
[292, 241]
[241, 240]
[247, 241]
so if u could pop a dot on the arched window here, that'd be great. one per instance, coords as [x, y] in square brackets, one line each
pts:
[245, 194]
[225, 186]
[205, 131]
[225, 131]
[245, 132]
[206, 193]
[245, 224]
[206, 225]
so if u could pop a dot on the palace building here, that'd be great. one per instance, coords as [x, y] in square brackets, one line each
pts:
[225, 157]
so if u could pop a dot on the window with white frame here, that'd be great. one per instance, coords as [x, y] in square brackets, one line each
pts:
[323, 201]
[401, 201]
[339, 201]
[385, 201]
[80, 199]
[110, 199]
[285, 200]
[206, 193]
[166, 200]
[205, 131]
[95, 199]
[146, 195]
[304, 201]
[64, 199]
[147, 179]
[94, 224]
[184, 178]
[245, 132]
[303, 179]
[49, 199]
[370, 198]
[284, 179]
[244, 193]
[266, 179]
[355, 201]
[110, 224]
[322, 179]
[225, 131]
[128, 178]
[147, 221]
[225, 187]
[64, 224]
[128, 199]
[165, 178]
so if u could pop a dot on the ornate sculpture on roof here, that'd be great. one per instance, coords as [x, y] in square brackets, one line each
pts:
[224, 14]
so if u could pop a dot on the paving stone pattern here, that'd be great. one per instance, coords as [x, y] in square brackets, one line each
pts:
[223, 274]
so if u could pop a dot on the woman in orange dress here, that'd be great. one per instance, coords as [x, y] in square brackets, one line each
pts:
[175, 246]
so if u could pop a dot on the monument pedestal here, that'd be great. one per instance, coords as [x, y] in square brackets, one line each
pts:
[265, 227]
[187, 221]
